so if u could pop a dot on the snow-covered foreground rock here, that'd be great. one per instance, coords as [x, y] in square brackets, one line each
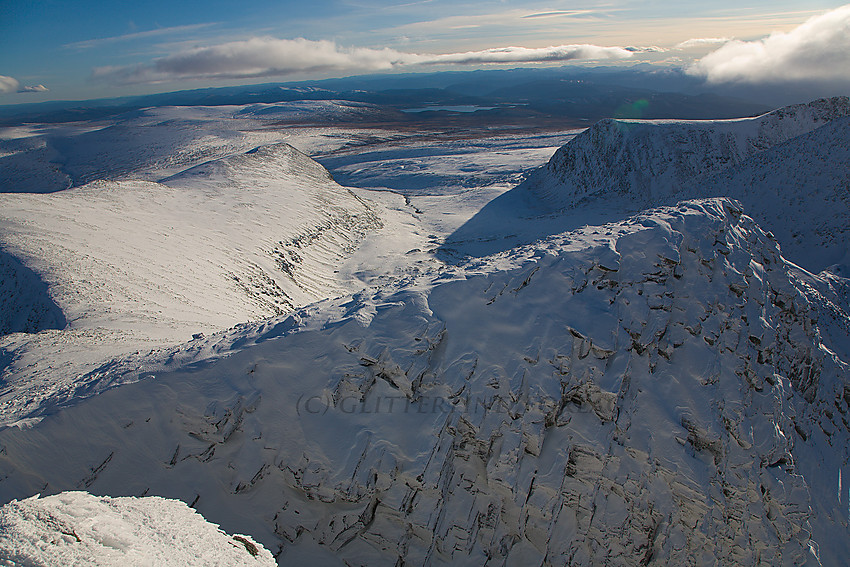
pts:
[76, 528]
[790, 168]
[662, 390]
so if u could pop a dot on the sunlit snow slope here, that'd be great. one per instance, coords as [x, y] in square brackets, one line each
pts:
[136, 264]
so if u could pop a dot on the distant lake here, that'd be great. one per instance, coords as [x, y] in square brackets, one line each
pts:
[459, 108]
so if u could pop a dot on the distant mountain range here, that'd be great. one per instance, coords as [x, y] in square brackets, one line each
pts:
[515, 97]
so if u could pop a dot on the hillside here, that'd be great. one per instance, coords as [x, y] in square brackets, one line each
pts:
[134, 265]
[370, 377]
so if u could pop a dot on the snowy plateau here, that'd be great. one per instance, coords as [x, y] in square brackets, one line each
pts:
[622, 345]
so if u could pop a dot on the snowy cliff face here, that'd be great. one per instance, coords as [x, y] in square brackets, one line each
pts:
[789, 168]
[641, 162]
[661, 390]
[134, 265]
[76, 528]
[800, 190]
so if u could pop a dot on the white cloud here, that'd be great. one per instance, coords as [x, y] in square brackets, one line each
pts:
[270, 57]
[12, 85]
[256, 57]
[8, 84]
[89, 43]
[819, 49]
[559, 14]
[34, 89]
[530, 55]
[513, 21]
[702, 42]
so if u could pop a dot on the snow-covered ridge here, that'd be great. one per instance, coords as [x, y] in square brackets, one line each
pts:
[313, 110]
[231, 240]
[146, 144]
[76, 528]
[154, 143]
[790, 168]
[269, 162]
[661, 390]
[645, 161]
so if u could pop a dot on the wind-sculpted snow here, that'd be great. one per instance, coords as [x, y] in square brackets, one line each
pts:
[76, 528]
[662, 390]
[134, 265]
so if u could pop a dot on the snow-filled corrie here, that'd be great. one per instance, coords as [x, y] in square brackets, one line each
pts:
[77, 528]
[662, 390]
[130, 266]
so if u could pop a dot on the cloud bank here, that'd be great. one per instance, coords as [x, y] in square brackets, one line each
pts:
[12, 85]
[817, 50]
[530, 55]
[702, 42]
[256, 57]
[270, 57]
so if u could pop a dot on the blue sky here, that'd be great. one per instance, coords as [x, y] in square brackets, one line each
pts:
[89, 49]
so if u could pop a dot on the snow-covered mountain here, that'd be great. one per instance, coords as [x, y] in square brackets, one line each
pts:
[147, 144]
[666, 389]
[790, 165]
[661, 387]
[800, 190]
